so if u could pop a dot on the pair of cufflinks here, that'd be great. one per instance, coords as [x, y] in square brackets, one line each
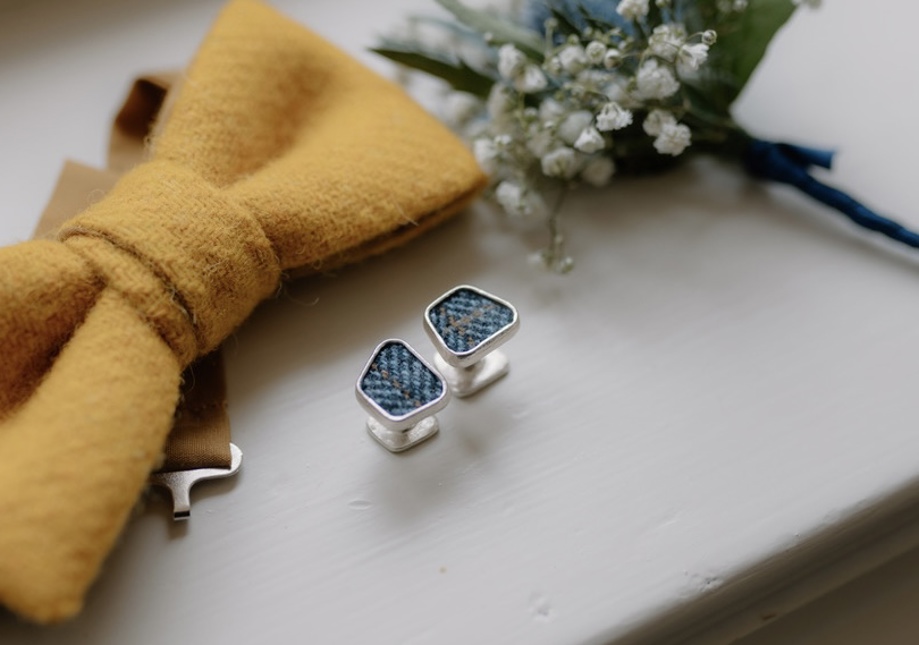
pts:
[402, 391]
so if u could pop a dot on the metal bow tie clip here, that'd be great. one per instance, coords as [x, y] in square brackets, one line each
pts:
[180, 482]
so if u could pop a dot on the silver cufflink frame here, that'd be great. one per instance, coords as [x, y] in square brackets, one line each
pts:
[399, 432]
[467, 372]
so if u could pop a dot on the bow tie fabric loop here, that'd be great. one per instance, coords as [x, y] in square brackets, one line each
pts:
[192, 261]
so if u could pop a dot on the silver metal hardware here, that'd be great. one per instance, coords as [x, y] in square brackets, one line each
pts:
[399, 431]
[180, 482]
[468, 371]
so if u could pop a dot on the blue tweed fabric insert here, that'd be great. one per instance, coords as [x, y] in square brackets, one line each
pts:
[465, 319]
[400, 383]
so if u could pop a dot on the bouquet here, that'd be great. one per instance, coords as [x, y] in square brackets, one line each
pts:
[554, 94]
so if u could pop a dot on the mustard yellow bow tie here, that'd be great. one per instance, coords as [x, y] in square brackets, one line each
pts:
[280, 154]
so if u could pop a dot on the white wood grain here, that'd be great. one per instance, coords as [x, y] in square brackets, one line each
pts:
[720, 396]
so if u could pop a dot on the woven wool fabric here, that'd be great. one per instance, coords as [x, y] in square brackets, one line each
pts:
[400, 383]
[280, 155]
[466, 319]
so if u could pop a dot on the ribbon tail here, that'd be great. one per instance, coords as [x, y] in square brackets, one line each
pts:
[810, 156]
[789, 164]
[45, 295]
[77, 455]
[858, 212]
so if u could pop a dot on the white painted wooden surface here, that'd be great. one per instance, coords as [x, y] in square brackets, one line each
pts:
[719, 398]
[878, 608]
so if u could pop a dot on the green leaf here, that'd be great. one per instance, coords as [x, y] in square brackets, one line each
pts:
[706, 108]
[715, 88]
[455, 29]
[455, 72]
[500, 29]
[743, 45]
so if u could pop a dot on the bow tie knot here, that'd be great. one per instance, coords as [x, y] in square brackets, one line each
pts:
[189, 259]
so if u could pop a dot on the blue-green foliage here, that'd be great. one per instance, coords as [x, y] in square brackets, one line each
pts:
[579, 13]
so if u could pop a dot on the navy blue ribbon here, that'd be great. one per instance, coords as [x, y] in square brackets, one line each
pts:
[789, 164]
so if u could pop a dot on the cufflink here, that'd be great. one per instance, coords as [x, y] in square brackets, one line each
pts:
[401, 392]
[466, 325]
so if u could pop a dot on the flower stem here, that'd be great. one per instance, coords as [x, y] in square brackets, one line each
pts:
[554, 256]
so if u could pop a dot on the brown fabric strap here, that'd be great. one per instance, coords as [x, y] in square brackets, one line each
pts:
[200, 437]
[137, 119]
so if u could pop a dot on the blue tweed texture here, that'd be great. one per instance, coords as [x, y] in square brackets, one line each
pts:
[465, 319]
[400, 383]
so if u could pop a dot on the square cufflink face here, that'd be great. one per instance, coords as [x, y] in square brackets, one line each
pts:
[467, 323]
[398, 388]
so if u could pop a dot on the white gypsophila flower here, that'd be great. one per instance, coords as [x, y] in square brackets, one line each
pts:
[553, 65]
[613, 116]
[693, 56]
[656, 120]
[665, 41]
[551, 110]
[656, 81]
[595, 52]
[513, 199]
[513, 66]
[572, 58]
[673, 139]
[531, 79]
[552, 259]
[593, 80]
[475, 129]
[618, 92]
[598, 171]
[511, 62]
[632, 9]
[486, 155]
[570, 127]
[590, 141]
[612, 58]
[561, 162]
[503, 141]
[460, 108]
[540, 140]
[709, 37]
[500, 103]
